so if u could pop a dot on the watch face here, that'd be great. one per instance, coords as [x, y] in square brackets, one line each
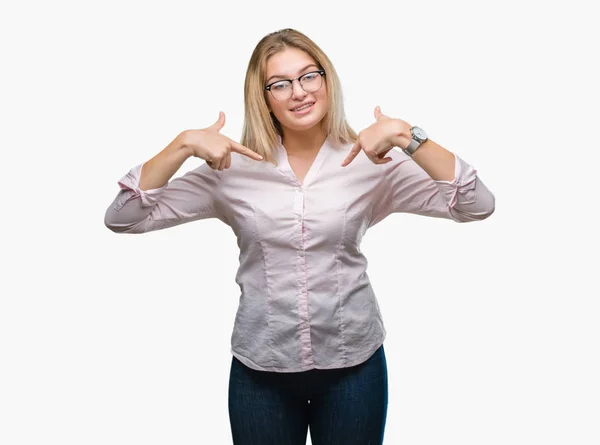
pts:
[419, 133]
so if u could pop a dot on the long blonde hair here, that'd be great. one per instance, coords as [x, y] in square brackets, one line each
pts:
[261, 129]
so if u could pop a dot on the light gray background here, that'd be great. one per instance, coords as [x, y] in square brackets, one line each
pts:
[493, 333]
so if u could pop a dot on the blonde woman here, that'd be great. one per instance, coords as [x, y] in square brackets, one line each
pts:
[299, 191]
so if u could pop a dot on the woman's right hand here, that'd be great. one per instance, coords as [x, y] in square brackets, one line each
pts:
[214, 147]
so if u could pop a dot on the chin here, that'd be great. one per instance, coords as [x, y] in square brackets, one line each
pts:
[295, 127]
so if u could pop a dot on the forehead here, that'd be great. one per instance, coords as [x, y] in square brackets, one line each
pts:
[288, 63]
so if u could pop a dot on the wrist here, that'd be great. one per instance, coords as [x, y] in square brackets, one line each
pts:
[181, 146]
[401, 136]
[418, 138]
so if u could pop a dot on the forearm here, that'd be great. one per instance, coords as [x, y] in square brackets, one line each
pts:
[438, 162]
[157, 171]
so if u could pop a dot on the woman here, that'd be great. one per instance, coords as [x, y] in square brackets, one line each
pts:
[299, 191]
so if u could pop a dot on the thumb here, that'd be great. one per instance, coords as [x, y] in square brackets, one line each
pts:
[220, 122]
[378, 114]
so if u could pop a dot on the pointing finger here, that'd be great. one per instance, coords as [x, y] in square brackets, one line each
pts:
[353, 153]
[239, 148]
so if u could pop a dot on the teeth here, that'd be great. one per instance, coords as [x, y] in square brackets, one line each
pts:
[303, 107]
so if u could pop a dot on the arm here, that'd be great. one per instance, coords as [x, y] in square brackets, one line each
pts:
[410, 188]
[434, 182]
[438, 162]
[158, 170]
[147, 200]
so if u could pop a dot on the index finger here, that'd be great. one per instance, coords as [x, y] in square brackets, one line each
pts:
[239, 148]
[353, 153]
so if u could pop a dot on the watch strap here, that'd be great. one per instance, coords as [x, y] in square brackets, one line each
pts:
[412, 147]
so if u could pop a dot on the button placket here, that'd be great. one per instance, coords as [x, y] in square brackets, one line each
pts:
[299, 203]
[303, 303]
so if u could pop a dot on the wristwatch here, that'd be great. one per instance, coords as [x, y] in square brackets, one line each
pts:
[418, 137]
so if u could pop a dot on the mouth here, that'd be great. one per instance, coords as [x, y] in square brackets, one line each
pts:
[304, 108]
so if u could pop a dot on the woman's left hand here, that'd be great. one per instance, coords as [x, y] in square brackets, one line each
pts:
[379, 138]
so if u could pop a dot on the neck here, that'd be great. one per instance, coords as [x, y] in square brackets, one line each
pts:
[303, 143]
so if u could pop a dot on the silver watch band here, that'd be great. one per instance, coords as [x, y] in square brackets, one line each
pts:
[412, 147]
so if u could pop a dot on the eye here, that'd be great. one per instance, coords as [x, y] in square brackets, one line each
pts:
[310, 76]
[279, 86]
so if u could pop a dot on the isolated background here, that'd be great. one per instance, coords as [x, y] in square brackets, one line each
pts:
[493, 333]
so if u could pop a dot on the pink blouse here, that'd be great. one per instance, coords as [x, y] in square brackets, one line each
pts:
[306, 301]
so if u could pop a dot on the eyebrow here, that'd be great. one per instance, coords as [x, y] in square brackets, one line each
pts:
[282, 77]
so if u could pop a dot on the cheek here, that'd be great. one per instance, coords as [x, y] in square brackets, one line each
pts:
[278, 111]
[270, 103]
[275, 107]
[324, 105]
[322, 98]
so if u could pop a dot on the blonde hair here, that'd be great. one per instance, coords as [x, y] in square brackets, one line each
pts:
[261, 129]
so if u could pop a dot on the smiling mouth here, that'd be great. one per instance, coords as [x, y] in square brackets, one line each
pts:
[303, 107]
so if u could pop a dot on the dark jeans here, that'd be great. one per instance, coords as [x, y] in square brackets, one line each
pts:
[346, 406]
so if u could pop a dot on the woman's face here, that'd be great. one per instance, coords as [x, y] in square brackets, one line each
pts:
[290, 64]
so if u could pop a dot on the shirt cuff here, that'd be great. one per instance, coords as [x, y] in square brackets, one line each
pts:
[462, 188]
[131, 182]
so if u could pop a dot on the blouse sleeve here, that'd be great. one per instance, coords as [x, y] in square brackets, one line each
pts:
[409, 189]
[187, 198]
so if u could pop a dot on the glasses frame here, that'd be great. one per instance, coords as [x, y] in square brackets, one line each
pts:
[321, 72]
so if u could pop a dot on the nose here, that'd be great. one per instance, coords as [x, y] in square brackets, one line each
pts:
[297, 90]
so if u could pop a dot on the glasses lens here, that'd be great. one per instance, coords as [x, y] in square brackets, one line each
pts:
[282, 90]
[311, 82]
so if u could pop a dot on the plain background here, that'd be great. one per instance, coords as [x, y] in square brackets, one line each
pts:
[493, 333]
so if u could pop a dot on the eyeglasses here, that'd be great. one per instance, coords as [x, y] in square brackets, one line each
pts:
[310, 82]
